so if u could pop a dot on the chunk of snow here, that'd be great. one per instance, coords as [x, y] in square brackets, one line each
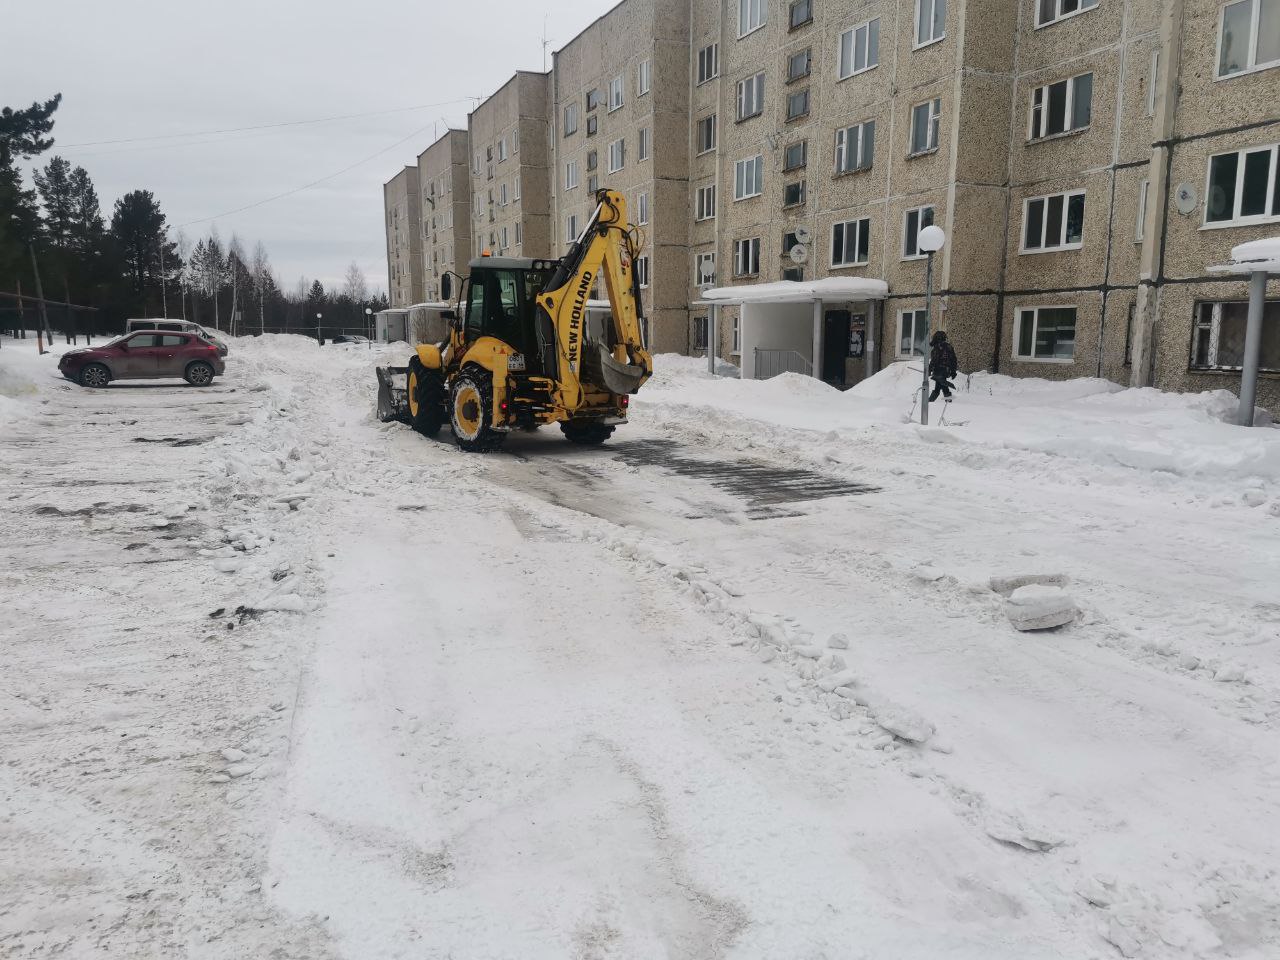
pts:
[1229, 673]
[1037, 607]
[838, 641]
[287, 602]
[1006, 585]
[844, 678]
[232, 755]
[1009, 829]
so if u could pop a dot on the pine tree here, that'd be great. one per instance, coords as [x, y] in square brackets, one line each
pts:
[23, 134]
[56, 195]
[138, 234]
[87, 228]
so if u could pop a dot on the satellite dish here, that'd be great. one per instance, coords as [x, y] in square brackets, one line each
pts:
[803, 234]
[1186, 198]
[799, 253]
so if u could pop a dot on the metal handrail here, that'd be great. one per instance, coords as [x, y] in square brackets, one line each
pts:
[770, 362]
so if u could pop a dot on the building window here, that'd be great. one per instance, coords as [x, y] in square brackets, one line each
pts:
[708, 63]
[704, 268]
[502, 195]
[617, 155]
[571, 174]
[799, 65]
[801, 13]
[1140, 228]
[705, 134]
[642, 271]
[913, 222]
[1128, 336]
[855, 147]
[859, 49]
[1244, 187]
[798, 105]
[591, 160]
[515, 140]
[1051, 11]
[615, 94]
[737, 337]
[705, 208]
[793, 273]
[1218, 338]
[748, 177]
[571, 228]
[593, 99]
[593, 124]
[795, 156]
[931, 21]
[751, 15]
[593, 184]
[925, 122]
[643, 153]
[751, 97]
[1045, 333]
[746, 257]
[913, 331]
[1055, 222]
[644, 77]
[1061, 107]
[503, 244]
[700, 327]
[570, 119]
[851, 243]
[1248, 36]
[502, 149]
[793, 194]
[519, 233]
[642, 208]
[515, 194]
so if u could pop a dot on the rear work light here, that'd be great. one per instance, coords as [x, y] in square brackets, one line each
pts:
[624, 400]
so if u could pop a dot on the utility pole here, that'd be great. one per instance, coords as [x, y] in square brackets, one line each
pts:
[164, 288]
[71, 333]
[44, 312]
[22, 321]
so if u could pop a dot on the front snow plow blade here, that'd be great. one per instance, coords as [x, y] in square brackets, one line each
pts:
[614, 375]
[393, 393]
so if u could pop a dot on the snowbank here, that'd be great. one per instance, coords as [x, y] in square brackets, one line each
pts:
[23, 372]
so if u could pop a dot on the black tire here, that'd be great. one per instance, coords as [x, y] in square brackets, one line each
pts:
[198, 374]
[471, 413]
[94, 375]
[586, 434]
[425, 392]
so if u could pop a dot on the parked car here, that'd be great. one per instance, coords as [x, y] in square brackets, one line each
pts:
[348, 338]
[178, 326]
[145, 355]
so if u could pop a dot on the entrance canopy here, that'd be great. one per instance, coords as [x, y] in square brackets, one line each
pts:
[1259, 260]
[804, 291]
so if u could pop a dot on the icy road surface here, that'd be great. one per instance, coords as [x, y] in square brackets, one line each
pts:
[280, 681]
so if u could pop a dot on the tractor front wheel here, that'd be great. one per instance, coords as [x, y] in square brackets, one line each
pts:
[471, 412]
[425, 389]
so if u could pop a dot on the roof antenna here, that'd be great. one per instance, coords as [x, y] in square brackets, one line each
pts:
[545, 43]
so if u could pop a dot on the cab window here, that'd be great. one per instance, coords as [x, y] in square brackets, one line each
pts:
[475, 311]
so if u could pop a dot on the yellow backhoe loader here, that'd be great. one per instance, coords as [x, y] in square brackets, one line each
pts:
[518, 351]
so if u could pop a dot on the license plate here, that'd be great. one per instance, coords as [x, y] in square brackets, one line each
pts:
[515, 361]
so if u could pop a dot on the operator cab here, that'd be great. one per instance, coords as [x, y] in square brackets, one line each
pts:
[502, 303]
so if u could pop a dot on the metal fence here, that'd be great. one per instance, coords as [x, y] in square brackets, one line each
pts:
[770, 363]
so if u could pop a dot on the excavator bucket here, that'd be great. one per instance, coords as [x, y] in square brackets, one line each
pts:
[614, 375]
[393, 393]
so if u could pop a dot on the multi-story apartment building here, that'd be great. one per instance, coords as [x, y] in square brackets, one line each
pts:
[621, 120]
[400, 205]
[511, 169]
[444, 179]
[1089, 161]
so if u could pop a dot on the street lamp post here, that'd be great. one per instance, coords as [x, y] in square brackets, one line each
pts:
[368, 314]
[930, 240]
[319, 338]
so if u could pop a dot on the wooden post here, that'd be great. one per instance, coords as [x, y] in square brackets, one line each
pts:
[22, 321]
[44, 311]
[70, 331]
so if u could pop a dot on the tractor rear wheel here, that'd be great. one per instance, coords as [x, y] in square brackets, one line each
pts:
[425, 389]
[586, 434]
[471, 412]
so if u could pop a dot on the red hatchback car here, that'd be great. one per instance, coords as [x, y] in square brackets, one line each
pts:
[146, 355]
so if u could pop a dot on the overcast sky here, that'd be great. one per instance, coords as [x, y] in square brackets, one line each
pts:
[151, 68]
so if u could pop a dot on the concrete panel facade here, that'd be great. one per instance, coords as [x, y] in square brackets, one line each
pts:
[444, 181]
[401, 215]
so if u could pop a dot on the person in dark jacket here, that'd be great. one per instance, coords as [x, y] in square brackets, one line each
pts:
[942, 365]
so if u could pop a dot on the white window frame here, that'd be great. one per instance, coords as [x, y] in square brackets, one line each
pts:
[736, 348]
[519, 233]
[616, 98]
[859, 224]
[752, 15]
[644, 77]
[1215, 334]
[1140, 227]
[618, 153]
[1069, 108]
[1251, 66]
[570, 118]
[865, 158]
[1082, 6]
[934, 127]
[641, 267]
[503, 243]
[705, 205]
[642, 149]
[1151, 82]
[711, 122]
[642, 208]
[700, 274]
[741, 176]
[502, 149]
[1018, 318]
[571, 175]
[708, 59]
[515, 140]
[515, 191]
[571, 230]
[851, 35]
[1066, 196]
[751, 247]
[1273, 185]
[756, 85]
[916, 42]
[914, 313]
[502, 195]
[919, 212]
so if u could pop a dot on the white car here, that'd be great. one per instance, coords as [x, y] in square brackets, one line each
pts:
[177, 326]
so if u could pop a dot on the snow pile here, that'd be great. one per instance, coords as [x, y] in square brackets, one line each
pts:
[1039, 607]
[22, 371]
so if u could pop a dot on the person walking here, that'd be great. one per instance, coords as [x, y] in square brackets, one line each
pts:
[942, 366]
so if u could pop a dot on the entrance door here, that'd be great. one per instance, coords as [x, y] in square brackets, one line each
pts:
[857, 348]
[835, 346]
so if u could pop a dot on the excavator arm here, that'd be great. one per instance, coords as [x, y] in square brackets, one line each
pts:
[608, 246]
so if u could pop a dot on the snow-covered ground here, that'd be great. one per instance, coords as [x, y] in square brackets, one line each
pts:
[283, 681]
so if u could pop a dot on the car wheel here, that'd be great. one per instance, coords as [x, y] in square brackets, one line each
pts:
[94, 375]
[199, 374]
